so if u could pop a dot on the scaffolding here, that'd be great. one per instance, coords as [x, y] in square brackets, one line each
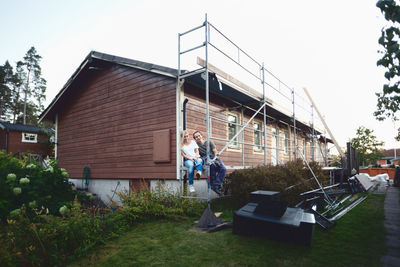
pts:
[258, 72]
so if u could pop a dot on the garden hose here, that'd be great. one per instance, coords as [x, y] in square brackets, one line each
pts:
[85, 177]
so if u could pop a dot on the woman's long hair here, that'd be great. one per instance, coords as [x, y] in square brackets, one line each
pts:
[182, 137]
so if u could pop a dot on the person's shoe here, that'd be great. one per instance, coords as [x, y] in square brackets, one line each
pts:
[198, 174]
[216, 190]
[191, 189]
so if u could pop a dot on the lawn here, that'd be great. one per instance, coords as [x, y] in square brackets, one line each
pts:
[358, 239]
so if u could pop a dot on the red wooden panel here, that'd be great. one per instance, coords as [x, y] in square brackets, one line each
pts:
[161, 146]
[109, 124]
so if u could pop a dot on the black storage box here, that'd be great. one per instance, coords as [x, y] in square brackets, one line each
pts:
[261, 195]
[295, 226]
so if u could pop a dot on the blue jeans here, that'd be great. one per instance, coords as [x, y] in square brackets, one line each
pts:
[217, 173]
[190, 164]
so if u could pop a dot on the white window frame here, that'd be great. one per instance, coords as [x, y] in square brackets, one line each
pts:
[286, 142]
[260, 131]
[32, 138]
[235, 144]
[275, 149]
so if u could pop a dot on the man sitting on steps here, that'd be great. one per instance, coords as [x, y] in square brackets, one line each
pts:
[217, 168]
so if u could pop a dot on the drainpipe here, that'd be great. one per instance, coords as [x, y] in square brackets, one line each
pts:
[184, 113]
[56, 138]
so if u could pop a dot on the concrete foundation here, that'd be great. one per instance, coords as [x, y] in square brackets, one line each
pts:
[104, 188]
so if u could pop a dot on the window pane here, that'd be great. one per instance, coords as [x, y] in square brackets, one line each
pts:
[286, 143]
[233, 129]
[29, 137]
[257, 136]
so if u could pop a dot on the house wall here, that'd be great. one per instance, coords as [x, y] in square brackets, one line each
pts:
[2, 139]
[109, 125]
[15, 144]
[219, 110]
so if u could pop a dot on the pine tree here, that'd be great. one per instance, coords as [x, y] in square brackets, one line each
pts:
[32, 82]
[6, 74]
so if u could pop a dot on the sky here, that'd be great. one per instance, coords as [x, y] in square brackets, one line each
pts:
[328, 47]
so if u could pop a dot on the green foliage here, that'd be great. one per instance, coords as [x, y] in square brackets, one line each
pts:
[160, 203]
[367, 146]
[23, 90]
[29, 184]
[389, 99]
[47, 240]
[275, 178]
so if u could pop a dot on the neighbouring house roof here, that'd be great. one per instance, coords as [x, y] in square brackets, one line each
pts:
[390, 152]
[12, 127]
[385, 158]
[96, 60]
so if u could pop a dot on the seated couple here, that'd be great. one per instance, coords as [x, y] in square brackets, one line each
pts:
[194, 154]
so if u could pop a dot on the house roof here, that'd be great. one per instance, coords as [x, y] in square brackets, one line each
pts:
[390, 152]
[96, 60]
[12, 127]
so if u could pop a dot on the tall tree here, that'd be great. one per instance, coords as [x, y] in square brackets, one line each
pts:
[6, 74]
[33, 84]
[367, 145]
[389, 99]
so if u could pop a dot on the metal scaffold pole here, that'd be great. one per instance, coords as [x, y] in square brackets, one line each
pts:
[313, 134]
[207, 165]
[264, 114]
[294, 126]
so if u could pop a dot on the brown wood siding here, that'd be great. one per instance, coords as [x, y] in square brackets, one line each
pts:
[219, 108]
[2, 139]
[15, 145]
[109, 125]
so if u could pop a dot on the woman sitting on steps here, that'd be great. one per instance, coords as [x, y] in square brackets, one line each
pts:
[192, 160]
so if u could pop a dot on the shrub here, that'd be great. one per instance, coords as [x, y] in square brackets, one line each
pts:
[24, 182]
[160, 203]
[47, 240]
[275, 178]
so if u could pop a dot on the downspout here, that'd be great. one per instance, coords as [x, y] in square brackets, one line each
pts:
[56, 137]
[184, 113]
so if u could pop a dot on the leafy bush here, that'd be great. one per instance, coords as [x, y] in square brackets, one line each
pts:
[160, 203]
[47, 240]
[23, 182]
[275, 178]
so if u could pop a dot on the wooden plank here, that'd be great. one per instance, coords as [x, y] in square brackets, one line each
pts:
[339, 149]
[242, 86]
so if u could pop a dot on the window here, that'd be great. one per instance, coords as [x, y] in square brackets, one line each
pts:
[29, 137]
[233, 129]
[257, 136]
[286, 143]
[275, 146]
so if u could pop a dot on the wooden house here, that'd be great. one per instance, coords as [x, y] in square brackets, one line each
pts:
[23, 139]
[119, 117]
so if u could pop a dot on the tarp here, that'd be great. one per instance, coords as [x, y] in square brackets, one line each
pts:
[364, 180]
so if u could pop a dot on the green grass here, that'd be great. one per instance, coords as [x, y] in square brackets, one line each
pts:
[358, 239]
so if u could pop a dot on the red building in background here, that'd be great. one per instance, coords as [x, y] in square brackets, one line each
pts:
[20, 139]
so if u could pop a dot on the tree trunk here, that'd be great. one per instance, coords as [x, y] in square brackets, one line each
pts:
[26, 94]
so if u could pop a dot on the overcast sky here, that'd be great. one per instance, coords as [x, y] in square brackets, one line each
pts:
[329, 47]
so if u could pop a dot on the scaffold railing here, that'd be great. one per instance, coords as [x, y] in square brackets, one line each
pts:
[263, 81]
